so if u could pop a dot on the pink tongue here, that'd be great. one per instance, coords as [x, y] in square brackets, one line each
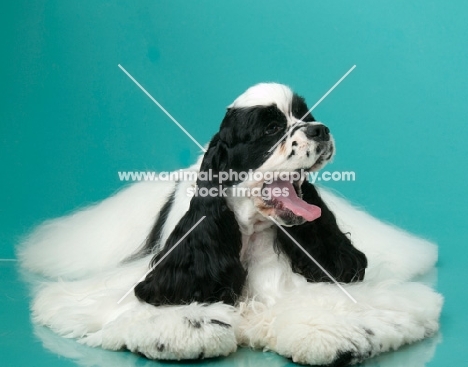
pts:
[292, 202]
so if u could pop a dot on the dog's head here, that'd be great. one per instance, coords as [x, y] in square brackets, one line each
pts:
[269, 130]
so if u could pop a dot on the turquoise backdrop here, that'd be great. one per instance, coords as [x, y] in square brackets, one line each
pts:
[71, 119]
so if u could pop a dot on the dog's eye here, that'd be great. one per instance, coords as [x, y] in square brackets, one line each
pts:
[273, 128]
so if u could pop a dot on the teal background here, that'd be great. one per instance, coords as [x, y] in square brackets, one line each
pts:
[70, 119]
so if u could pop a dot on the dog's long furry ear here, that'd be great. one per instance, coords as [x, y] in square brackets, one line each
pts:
[325, 242]
[203, 264]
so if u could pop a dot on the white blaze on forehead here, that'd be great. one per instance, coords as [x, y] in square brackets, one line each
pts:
[265, 94]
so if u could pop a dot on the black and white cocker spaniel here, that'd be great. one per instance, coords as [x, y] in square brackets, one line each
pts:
[227, 257]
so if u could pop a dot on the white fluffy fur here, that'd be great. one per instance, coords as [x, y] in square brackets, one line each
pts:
[281, 311]
[265, 94]
[83, 256]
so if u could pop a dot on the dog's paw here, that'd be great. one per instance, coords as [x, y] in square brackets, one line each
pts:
[192, 338]
[173, 332]
[330, 345]
[320, 326]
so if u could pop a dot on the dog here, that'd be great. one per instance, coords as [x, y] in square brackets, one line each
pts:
[272, 268]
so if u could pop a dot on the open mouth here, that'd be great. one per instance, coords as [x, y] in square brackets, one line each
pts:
[285, 196]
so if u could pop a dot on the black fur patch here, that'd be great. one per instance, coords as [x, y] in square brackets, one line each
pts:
[220, 323]
[243, 141]
[343, 359]
[154, 237]
[160, 347]
[155, 234]
[203, 265]
[299, 109]
[323, 240]
[194, 323]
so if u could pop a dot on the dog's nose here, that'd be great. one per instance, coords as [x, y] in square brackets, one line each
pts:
[318, 132]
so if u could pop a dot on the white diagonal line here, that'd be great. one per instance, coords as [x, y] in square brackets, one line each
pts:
[161, 107]
[329, 91]
[315, 261]
[315, 105]
[152, 268]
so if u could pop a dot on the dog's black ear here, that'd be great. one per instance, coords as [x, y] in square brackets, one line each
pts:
[203, 264]
[325, 242]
